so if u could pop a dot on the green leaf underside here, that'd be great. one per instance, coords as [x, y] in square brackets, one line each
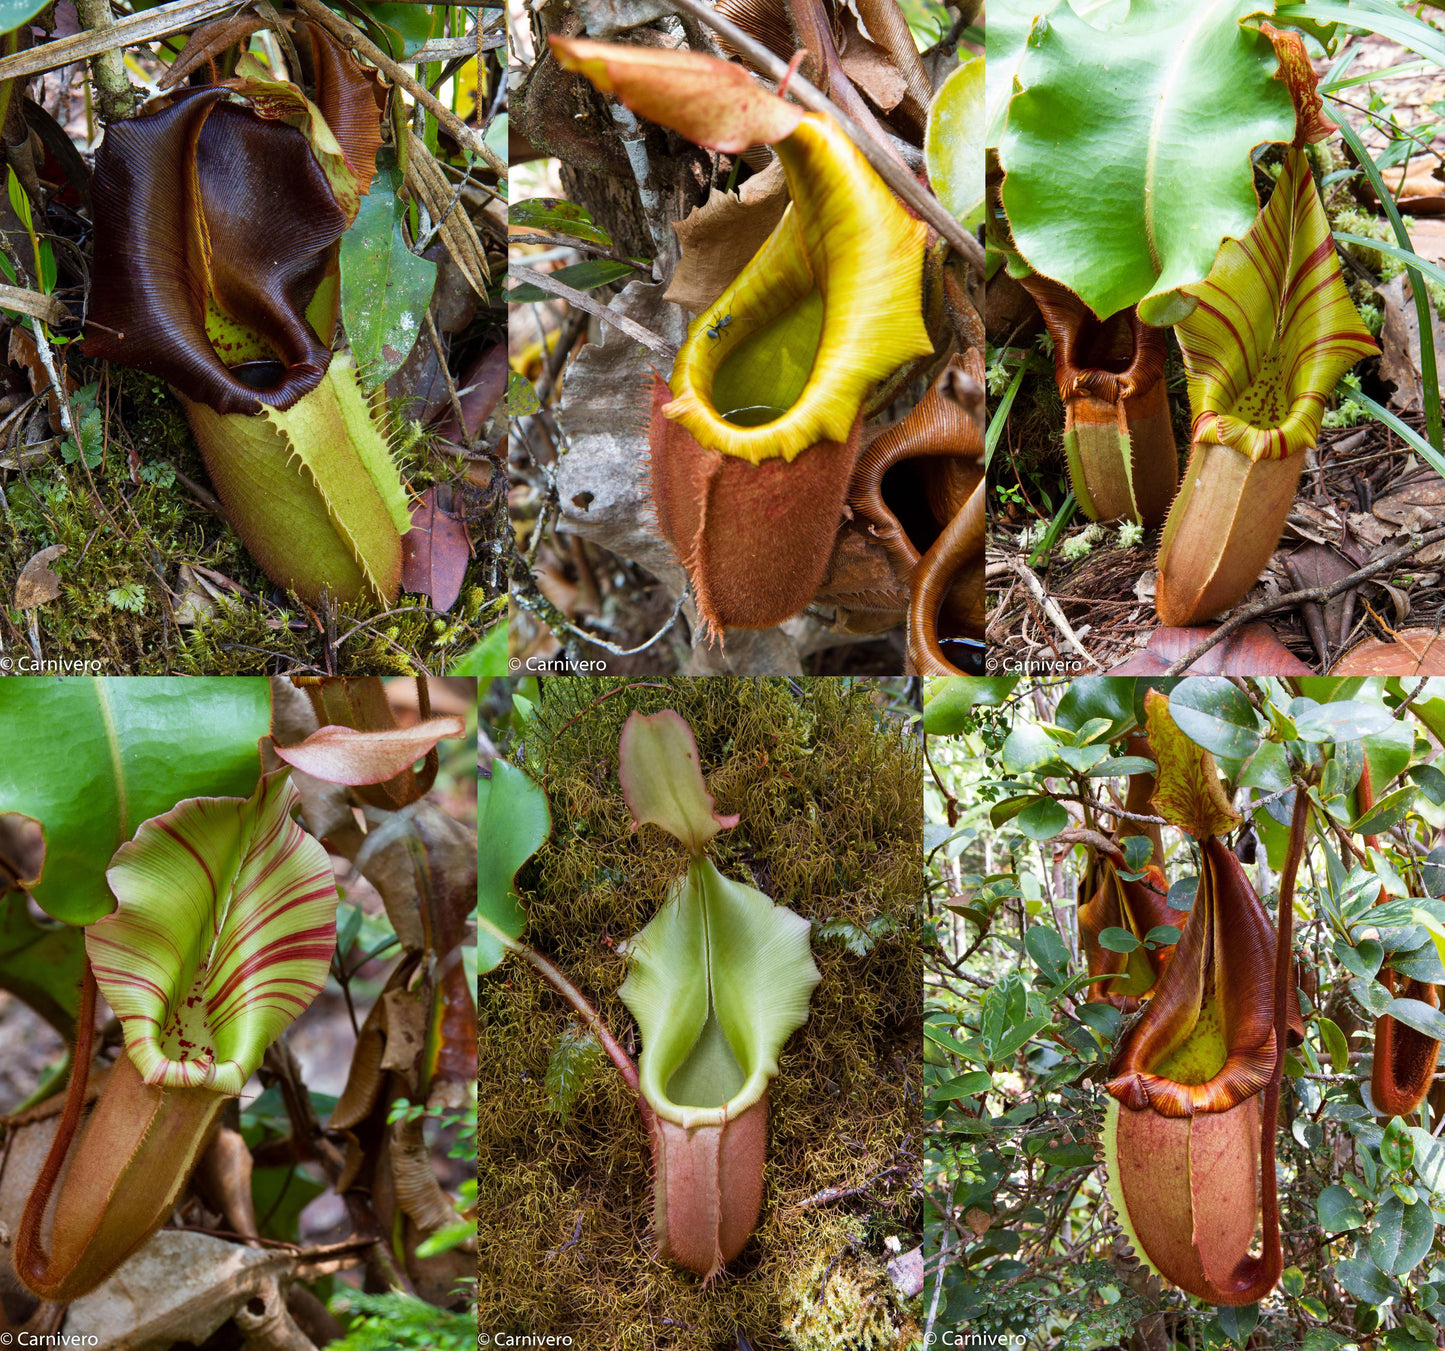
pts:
[223, 936]
[953, 145]
[661, 778]
[718, 981]
[385, 287]
[1106, 190]
[134, 747]
[1274, 328]
[513, 819]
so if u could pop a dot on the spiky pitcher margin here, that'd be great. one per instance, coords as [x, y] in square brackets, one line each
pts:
[217, 233]
[1270, 336]
[1185, 1140]
[718, 981]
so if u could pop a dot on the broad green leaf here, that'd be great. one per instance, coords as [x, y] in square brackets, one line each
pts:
[1237, 1321]
[1362, 960]
[512, 821]
[1364, 1280]
[948, 702]
[521, 395]
[1118, 940]
[661, 777]
[1335, 1043]
[485, 659]
[1390, 810]
[1042, 820]
[406, 28]
[1127, 151]
[224, 934]
[718, 982]
[555, 215]
[1047, 949]
[1402, 1236]
[1349, 720]
[953, 144]
[1009, 23]
[42, 966]
[1372, 995]
[963, 1086]
[1397, 1149]
[1028, 747]
[385, 287]
[1423, 1017]
[1213, 714]
[133, 749]
[1338, 1211]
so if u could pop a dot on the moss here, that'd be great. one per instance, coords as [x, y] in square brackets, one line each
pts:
[829, 795]
[123, 539]
[848, 1304]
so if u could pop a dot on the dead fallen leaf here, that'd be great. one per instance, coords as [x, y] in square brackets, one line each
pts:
[869, 66]
[720, 236]
[1251, 650]
[1414, 652]
[22, 353]
[37, 584]
[434, 553]
[1400, 344]
[1416, 502]
[1318, 565]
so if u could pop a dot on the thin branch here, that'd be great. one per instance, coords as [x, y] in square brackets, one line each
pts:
[1318, 594]
[883, 161]
[1051, 609]
[602, 642]
[634, 330]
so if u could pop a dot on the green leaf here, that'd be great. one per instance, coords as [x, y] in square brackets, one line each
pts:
[522, 398]
[1401, 1237]
[949, 702]
[1127, 152]
[485, 659]
[133, 749]
[1384, 19]
[1362, 960]
[555, 215]
[1338, 1211]
[224, 934]
[1390, 810]
[1430, 781]
[1335, 1043]
[718, 981]
[1397, 1149]
[963, 1086]
[953, 143]
[1365, 1281]
[1237, 1321]
[1349, 720]
[1042, 820]
[1162, 934]
[19, 198]
[1098, 697]
[1372, 995]
[576, 1055]
[1416, 1013]
[1048, 950]
[586, 276]
[385, 287]
[1027, 748]
[41, 965]
[406, 28]
[1118, 940]
[1212, 713]
[512, 822]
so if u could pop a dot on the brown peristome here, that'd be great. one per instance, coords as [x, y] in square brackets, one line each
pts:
[929, 466]
[755, 539]
[708, 1188]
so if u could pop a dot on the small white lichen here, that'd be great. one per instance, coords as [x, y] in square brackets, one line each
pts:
[1130, 533]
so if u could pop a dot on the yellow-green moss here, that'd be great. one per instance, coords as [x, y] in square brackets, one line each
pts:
[122, 538]
[847, 1303]
[830, 798]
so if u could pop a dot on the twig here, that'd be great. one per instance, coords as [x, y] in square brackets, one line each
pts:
[634, 330]
[1051, 609]
[134, 31]
[937, 1290]
[609, 647]
[1318, 594]
[465, 136]
[117, 97]
[882, 160]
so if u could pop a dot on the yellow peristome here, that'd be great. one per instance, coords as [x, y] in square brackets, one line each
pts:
[846, 236]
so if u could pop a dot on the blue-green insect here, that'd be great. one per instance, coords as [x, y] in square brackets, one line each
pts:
[715, 331]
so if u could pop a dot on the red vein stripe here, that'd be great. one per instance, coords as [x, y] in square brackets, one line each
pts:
[224, 934]
[1278, 289]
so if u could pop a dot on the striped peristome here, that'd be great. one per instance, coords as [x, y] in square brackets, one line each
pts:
[224, 933]
[1274, 328]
